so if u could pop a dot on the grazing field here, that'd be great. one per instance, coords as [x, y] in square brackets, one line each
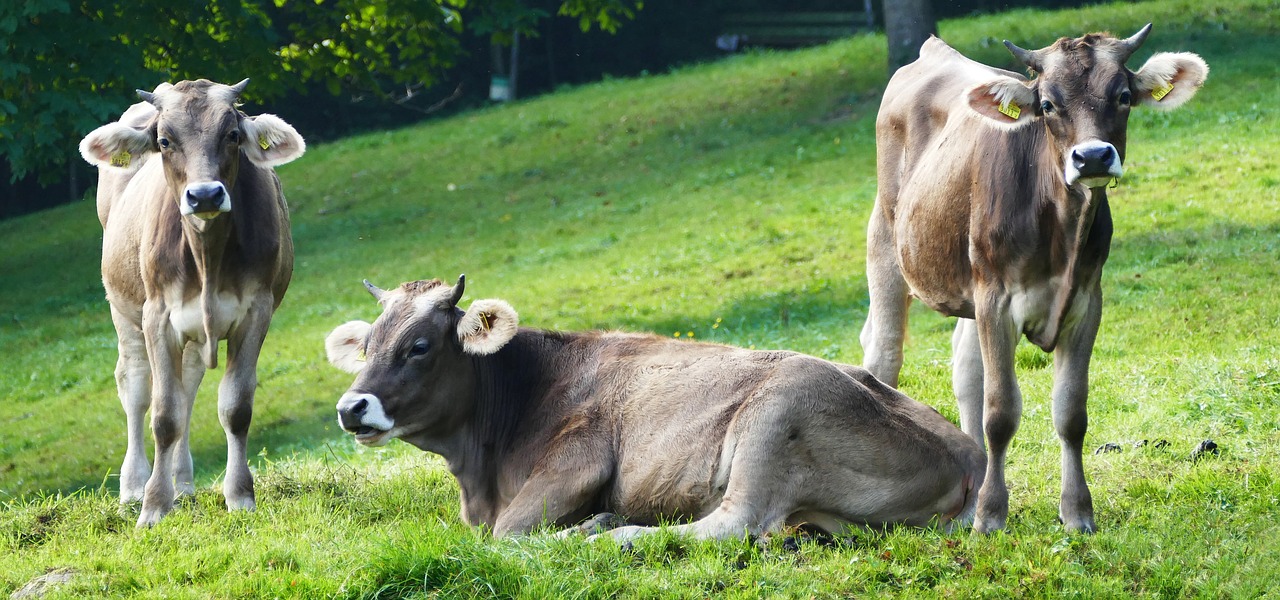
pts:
[724, 202]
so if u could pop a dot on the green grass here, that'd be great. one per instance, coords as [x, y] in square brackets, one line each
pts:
[728, 200]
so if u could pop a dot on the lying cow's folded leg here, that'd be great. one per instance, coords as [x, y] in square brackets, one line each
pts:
[560, 489]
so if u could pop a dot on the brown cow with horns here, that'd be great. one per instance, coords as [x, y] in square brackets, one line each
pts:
[549, 427]
[992, 207]
[195, 249]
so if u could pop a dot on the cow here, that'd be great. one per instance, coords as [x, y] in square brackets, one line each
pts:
[992, 207]
[543, 427]
[196, 249]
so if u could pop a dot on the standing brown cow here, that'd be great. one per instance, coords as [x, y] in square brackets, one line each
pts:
[992, 207]
[196, 249]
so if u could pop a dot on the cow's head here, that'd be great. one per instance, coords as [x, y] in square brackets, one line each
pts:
[200, 134]
[413, 364]
[1082, 94]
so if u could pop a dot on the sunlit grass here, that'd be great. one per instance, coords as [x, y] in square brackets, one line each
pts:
[729, 201]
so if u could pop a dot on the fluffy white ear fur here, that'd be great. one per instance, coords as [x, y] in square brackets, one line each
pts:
[487, 326]
[270, 142]
[345, 345]
[117, 145]
[1004, 101]
[1174, 76]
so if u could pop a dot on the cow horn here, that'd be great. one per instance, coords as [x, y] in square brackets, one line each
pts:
[239, 87]
[146, 96]
[1132, 43]
[1030, 58]
[374, 290]
[457, 290]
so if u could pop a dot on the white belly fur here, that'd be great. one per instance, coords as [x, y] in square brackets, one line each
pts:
[1029, 306]
[187, 318]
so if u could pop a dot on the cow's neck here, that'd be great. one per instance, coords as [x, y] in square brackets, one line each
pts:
[510, 385]
[208, 244]
[1077, 209]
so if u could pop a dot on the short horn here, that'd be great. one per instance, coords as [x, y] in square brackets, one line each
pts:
[239, 87]
[146, 96]
[1030, 58]
[457, 290]
[1132, 43]
[374, 290]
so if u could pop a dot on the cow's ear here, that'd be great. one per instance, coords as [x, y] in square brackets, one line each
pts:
[345, 345]
[1004, 101]
[1168, 79]
[120, 145]
[269, 141]
[487, 326]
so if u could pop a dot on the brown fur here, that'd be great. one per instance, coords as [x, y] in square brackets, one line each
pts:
[157, 264]
[996, 218]
[554, 427]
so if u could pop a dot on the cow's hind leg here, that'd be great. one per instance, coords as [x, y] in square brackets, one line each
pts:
[1070, 418]
[235, 400]
[183, 465]
[966, 377]
[884, 332]
[133, 383]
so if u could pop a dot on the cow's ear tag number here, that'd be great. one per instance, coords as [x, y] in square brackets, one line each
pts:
[1162, 91]
[262, 142]
[121, 159]
[1010, 109]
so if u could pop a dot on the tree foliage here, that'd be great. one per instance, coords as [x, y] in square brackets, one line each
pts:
[67, 66]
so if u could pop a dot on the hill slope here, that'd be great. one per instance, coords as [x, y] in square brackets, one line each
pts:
[724, 201]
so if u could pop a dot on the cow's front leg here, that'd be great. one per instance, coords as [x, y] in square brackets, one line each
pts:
[561, 487]
[235, 400]
[133, 384]
[885, 330]
[1002, 406]
[170, 413]
[184, 467]
[1070, 416]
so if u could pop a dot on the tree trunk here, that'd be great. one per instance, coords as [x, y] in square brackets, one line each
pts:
[907, 24]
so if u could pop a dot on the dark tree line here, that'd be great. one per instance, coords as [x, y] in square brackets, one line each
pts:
[333, 67]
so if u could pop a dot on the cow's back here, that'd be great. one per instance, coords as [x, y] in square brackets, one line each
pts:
[929, 147]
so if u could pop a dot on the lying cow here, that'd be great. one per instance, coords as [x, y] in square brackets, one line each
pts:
[195, 249]
[992, 207]
[547, 427]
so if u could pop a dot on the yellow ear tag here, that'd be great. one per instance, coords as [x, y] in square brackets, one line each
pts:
[262, 142]
[1162, 91]
[1010, 109]
[121, 159]
[361, 356]
[484, 321]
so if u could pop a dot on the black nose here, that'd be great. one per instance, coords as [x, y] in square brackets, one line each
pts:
[204, 197]
[1093, 160]
[349, 416]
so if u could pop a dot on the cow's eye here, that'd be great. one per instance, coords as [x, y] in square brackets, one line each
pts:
[418, 348]
[164, 143]
[1125, 97]
[234, 136]
[1046, 107]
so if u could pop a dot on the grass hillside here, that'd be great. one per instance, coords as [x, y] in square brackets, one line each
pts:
[723, 202]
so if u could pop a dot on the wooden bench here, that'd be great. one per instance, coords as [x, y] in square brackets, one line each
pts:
[789, 29]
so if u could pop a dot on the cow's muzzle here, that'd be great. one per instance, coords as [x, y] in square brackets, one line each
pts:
[206, 199]
[1094, 163]
[363, 415]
